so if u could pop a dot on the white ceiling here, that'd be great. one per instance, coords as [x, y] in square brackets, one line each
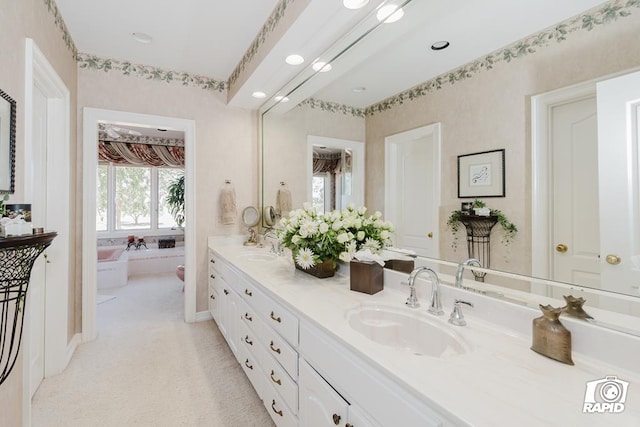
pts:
[209, 37]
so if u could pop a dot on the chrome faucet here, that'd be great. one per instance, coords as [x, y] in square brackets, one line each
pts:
[276, 244]
[435, 305]
[456, 317]
[460, 271]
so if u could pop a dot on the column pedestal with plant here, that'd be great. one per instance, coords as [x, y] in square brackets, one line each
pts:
[479, 240]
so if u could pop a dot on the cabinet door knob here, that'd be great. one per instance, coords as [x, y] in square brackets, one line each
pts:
[275, 350]
[277, 381]
[246, 363]
[430, 235]
[247, 340]
[613, 259]
[248, 292]
[277, 319]
[212, 276]
[249, 318]
[213, 297]
[226, 292]
[273, 408]
[213, 261]
[336, 419]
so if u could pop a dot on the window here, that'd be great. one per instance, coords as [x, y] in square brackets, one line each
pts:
[133, 198]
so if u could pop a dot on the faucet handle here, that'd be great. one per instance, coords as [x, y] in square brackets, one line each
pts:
[456, 317]
[412, 300]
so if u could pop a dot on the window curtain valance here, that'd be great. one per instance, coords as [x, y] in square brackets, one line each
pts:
[125, 153]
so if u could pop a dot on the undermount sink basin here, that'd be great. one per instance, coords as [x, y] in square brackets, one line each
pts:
[258, 256]
[402, 330]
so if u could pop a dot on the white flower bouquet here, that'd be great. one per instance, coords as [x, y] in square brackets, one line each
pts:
[333, 236]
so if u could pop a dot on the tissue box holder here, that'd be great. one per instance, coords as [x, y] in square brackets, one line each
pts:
[366, 277]
[18, 229]
[405, 266]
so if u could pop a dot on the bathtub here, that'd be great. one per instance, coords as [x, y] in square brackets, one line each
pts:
[154, 260]
[112, 268]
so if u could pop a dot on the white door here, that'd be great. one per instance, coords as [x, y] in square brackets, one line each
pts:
[575, 224]
[36, 294]
[412, 188]
[618, 129]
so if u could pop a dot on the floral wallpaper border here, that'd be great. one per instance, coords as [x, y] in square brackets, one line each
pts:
[94, 62]
[588, 21]
[267, 28]
[333, 107]
[52, 7]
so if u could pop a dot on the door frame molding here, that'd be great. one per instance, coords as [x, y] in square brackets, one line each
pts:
[91, 118]
[57, 343]
[541, 172]
[391, 144]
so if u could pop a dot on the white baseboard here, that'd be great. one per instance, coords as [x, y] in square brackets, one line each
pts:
[203, 316]
[71, 347]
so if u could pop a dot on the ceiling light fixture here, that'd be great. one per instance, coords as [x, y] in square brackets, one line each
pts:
[142, 38]
[258, 94]
[354, 4]
[281, 98]
[294, 60]
[322, 67]
[443, 44]
[389, 13]
[359, 89]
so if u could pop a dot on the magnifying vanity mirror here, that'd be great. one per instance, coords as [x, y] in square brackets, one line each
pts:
[251, 218]
[521, 85]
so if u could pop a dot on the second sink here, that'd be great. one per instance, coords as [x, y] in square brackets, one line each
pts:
[411, 332]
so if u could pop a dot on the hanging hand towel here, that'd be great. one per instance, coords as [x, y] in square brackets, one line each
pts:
[283, 202]
[228, 205]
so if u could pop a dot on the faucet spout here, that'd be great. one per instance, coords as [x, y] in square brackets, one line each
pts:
[460, 271]
[435, 303]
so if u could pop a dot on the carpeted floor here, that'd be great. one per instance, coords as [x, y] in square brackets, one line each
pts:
[149, 368]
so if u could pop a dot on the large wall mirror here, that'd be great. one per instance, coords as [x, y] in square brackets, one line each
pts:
[520, 84]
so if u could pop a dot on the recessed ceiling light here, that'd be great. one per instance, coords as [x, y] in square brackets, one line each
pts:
[258, 94]
[142, 38]
[294, 60]
[389, 13]
[359, 89]
[281, 98]
[354, 4]
[323, 67]
[443, 44]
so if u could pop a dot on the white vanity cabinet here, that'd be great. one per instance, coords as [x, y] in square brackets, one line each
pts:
[225, 310]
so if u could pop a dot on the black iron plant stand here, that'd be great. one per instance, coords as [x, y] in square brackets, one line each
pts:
[478, 240]
[17, 256]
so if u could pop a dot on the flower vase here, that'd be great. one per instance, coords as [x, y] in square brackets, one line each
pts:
[326, 268]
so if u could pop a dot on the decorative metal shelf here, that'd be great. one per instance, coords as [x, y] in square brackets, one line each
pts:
[479, 240]
[17, 256]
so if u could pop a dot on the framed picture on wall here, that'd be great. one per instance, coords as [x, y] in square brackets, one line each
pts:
[481, 174]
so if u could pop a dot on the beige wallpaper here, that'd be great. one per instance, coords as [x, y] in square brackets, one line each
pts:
[19, 20]
[225, 143]
[491, 111]
[285, 144]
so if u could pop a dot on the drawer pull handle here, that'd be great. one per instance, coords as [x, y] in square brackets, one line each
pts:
[273, 407]
[226, 292]
[277, 381]
[246, 363]
[336, 419]
[277, 319]
[247, 340]
[348, 425]
[275, 350]
[213, 261]
[249, 318]
[212, 276]
[213, 297]
[248, 292]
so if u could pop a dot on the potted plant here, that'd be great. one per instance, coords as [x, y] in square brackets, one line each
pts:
[319, 242]
[175, 199]
[509, 228]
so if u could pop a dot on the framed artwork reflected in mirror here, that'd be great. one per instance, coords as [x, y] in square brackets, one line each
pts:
[481, 174]
[7, 143]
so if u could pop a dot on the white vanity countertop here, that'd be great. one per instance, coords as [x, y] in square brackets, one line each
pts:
[501, 381]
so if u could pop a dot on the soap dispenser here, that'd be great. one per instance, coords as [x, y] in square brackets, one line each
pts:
[550, 337]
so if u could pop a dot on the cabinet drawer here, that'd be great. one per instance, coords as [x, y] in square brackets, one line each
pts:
[250, 318]
[280, 350]
[248, 341]
[252, 370]
[214, 299]
[279, 318]
[280, 413]
[280, 381]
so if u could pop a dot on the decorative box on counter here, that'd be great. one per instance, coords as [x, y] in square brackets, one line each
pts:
[366, 277]
[169, 242]
[405, 266]
[16, 229]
